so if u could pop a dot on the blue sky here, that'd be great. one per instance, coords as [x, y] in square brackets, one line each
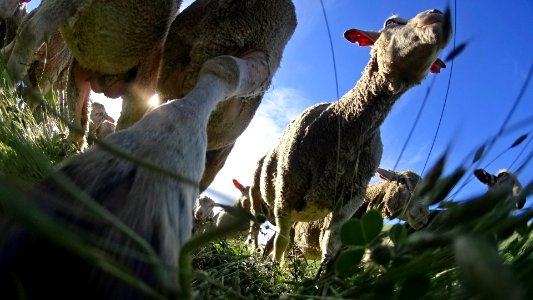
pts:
[485, 82]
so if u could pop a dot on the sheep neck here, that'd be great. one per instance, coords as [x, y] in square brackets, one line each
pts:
[366, 106]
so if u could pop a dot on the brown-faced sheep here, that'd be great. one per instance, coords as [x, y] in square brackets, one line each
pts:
[153, 204]
[209, 28]
[506, 181]
[392, 197]
[326, 157]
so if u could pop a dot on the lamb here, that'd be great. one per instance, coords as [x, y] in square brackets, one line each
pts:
[504, 180]
[153, 204]
[391, 196]
[209, 28]
[326, 157]
[101, 124]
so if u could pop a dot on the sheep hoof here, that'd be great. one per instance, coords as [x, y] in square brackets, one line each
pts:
[245, 76]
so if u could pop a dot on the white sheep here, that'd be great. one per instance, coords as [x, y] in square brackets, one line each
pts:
[392, 197]
[505, 181]
[326, 157]
[207, 209]
[101, 124]
[155, 205]
[236, 28]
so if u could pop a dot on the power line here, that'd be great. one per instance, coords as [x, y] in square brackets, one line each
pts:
[447, 90]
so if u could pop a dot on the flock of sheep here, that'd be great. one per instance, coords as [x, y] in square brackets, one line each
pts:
[210, 64]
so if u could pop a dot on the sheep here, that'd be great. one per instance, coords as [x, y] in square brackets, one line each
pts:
[205, 208]
[117, 46]
[504, 180]
[153, 204]
[392, 197]
[327, 155]
[101, 124]
[11, 14]
[209, 28]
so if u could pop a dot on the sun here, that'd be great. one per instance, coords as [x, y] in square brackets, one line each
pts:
[154, 100]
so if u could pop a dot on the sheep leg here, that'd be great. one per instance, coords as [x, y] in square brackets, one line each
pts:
[35, 30]
[331, 241]
[78, 90]
[281, 241]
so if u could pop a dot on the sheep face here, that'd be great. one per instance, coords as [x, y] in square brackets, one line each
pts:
[203, 209]
[399, 203]
[504, 181]
[99, 115]
[405, 49]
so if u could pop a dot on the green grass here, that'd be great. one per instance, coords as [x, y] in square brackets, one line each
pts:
[475, 249]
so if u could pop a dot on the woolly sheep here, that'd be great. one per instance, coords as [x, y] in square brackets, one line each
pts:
[156, 206]
[111, 49]
[309, 174]
[209, 28]
[504, 180]
[11, 14]
[101, 124]
[392, 197]
[117, 45]
[204, 210]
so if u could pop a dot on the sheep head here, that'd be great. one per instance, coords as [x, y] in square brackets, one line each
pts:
[244, 199]
[405, 50]
[99, 114]
[399, 188]
[504, 181]
[203, 208]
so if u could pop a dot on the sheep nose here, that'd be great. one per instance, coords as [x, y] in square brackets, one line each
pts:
[435, 11]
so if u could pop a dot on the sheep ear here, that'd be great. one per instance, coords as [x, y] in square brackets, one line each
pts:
[238, 185]
[436, 66]
[386, 174]
[363, 38]
[485, 177]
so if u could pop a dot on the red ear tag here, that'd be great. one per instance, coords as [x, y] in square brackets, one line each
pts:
[356, 36]
[109, 119]
[237, 184]
[436, 66]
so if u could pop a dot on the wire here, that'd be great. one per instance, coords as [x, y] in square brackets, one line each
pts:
[447, 90]
[521, 152]
[332, 50]
[415, 123]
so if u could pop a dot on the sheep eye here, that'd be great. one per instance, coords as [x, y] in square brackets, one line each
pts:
[402, 180]
[390, 22]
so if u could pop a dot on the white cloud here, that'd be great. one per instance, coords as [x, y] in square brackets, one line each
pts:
[278, 108]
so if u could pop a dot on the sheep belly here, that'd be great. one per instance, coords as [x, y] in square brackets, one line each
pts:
[311, 211]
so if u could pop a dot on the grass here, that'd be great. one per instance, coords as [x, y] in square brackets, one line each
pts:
[473, 249]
